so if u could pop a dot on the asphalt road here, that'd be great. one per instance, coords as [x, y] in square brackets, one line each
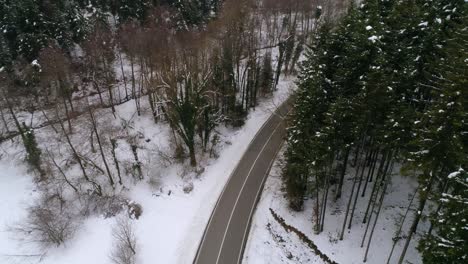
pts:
[225, 236]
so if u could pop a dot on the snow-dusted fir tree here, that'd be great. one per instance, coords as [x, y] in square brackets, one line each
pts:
[447, 244]
[382, 89]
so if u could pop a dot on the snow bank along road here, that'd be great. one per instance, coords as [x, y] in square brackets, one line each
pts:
[226, 233]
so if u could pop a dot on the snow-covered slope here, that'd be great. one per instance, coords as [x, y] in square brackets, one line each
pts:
[172, 222]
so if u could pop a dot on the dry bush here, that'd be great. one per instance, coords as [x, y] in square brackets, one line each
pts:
[105, 205]
[154, 182]
[125, 242]
[49, 223]
[134, 210]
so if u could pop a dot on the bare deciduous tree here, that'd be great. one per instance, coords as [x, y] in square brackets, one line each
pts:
[48, 223]
[125, 242]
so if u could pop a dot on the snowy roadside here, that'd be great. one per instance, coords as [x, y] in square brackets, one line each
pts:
[172, 222]
[270, 243]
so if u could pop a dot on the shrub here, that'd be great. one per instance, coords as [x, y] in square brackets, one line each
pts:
[47, 224]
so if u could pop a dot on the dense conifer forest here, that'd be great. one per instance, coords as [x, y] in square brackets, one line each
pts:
[386, 87]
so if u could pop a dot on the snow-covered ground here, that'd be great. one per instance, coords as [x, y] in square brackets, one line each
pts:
[269, 243]
[172, 223]
[17, 191]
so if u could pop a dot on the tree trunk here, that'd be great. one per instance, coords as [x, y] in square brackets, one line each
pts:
[317, 205]
[376, 186]
[75, 153]
[93, 122]
[153, 110]
[350, 200]
[371, 171]
[138, 163]
[49, 121]
[342, 174]
[5, 123]
[383, 181]
[62, 172]
[123, 74]
[134, 95]
[280, 62]
[395, 239]
[368, 154]
[376, 218]
[193, 158]
[417, 218]
[356, 154]
[68, 116]
[116, 161]
[325, 198]
[13, 115]
[109, 87]
[96, 86]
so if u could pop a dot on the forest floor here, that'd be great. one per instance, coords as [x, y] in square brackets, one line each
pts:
[270, 243]
[172, 223]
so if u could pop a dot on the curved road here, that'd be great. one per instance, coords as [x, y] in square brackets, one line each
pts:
[225, 236]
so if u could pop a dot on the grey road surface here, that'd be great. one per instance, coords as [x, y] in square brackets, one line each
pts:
[226, 233]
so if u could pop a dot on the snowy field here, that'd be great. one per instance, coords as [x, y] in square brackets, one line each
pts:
[269, 243]
[173, 221]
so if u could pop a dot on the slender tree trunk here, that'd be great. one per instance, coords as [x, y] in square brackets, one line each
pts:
[138, 163]
[67, 115]
[350, 200]
[70, 101]
[356, 154]
[123, 74]
[342, 174]
[96, 86]
[417, 218]
[61, 172]
[376, 218]
[49, 121]
[376, 186]
[368, 154]
[254, 94]
[279, 65]
[382, 182]
[371, 171]
[134, 95]
[325, 198]
[109, 87]
[93, 122]
[395, 239]
[116, 161]
[193, 158]
[317, 205]
[13, 115]
[91, 141]
[153, 110]
[5, 123]
[75, 153]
